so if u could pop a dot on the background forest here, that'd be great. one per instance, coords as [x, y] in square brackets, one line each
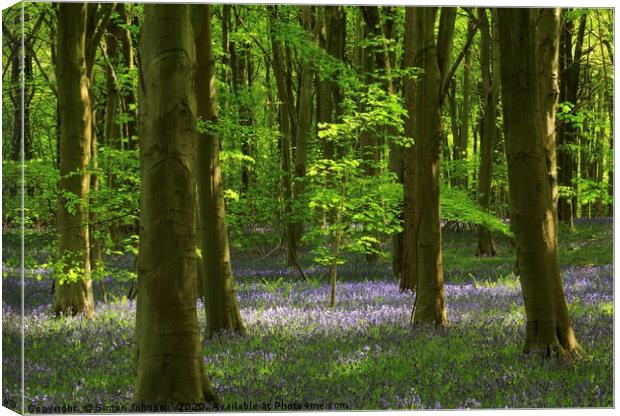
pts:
[314, 207]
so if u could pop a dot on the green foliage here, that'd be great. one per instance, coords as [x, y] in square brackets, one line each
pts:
[40, 186]
[350, 207]
[456, 205]
[591, 191]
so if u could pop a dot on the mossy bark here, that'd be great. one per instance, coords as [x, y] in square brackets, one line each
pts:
[75, 149]
[214, 265]
[168, 351]
[548, 327]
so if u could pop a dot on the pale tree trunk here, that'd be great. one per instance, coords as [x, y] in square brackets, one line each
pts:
[214, 264]
[168, 351]
[96, 23]
[408, 278]
[488, 136]
[129, 95]
[465, 113]
[548, 327]
[75, 144]
[432, 57]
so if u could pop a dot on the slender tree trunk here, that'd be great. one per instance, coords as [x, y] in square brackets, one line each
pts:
[130, 128]
[465, 113]
[168, 351]
[75, 120]
[567, 135]
[488, 137]
[285, 135]
[220, 299]
[304, 121]
[408, 279]
[548, 327]
[29, 90]
[431, 57]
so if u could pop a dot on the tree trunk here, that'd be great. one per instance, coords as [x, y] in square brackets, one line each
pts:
[567, 135]
[75, 120]
[488, 136]
[215, 268]
[547, 47]
[304, 121]
[548, 327]
[285, 135]
[408, 278]
[168, 351]
[431, 57]
[332, 37]
[465, 113]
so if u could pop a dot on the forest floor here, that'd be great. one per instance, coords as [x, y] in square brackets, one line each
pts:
[362, 354]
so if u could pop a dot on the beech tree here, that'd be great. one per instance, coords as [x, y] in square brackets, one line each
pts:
[488, 135]
[548, 327]
[214, 266]
[73, 293]
[432, 55]
[168, 351]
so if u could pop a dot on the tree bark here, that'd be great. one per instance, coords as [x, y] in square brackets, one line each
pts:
[465, 113]
[220, 300]
[432, 57]
[547, 47]
[548, 327]
[304, 121]
[168, 352]
[408, 278]
[285, 135]
[567, 135]
[488, 137]
[75, 119]
[332, 38]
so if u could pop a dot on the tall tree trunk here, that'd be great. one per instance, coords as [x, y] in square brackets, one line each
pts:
[548, 47]
[241, 71]
[304, 121]
[567, 135]
[408, 278]
[548, 327]
[16, 96]
[29, 90]
[168, 351]
[285, 135]
[432, 58]
[75, 120]
[488, 136]
[465, 113]
[220, 299]
[130, 129]
[395, 162]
